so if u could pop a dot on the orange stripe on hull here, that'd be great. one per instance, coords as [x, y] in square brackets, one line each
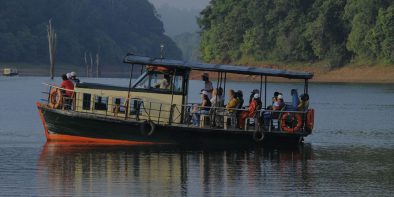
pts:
[70, 138]
[85, 140]
[42, 119]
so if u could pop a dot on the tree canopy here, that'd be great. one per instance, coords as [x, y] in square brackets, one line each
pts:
[108, 27]
[298, 30]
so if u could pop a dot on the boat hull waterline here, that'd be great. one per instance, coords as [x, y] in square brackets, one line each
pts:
[72, 126]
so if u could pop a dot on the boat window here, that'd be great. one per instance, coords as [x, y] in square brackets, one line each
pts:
[178, 83]
[135, 106]
[86, 99]
[118, 105]
[161, 82]
[100, 103]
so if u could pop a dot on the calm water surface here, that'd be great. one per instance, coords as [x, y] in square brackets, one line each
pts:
[351, 152]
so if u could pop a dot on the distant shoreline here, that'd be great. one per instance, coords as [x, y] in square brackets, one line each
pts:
[347, 74]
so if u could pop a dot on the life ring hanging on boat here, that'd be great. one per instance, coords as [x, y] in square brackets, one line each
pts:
[55, 98]
[310, 119]
[148, 128]
[290, 123]
[258, 135]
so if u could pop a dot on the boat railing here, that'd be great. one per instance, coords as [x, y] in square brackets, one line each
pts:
[230, 119]
[188, 115]
[128, 109]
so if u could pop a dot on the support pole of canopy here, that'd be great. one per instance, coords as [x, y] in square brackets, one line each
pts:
[224, 85]
[306, 86]
[218, 80]
[128, 91]
[261, 85]
[265, 92]
[172, 98]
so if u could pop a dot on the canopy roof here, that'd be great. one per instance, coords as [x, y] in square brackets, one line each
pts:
[239, 69]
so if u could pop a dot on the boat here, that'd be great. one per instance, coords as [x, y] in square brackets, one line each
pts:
[143, 114]
[10, 72]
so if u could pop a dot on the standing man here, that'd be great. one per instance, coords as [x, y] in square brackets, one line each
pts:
[207, 84]
[67, 85]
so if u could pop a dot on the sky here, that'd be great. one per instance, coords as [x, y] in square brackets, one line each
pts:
[182, 4]
[179, 16]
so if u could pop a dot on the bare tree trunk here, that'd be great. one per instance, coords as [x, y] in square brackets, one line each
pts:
[51, 47]
[91, 64]
[86, 64]
[97, 65]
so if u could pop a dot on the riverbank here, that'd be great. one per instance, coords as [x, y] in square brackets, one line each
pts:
[347, 74]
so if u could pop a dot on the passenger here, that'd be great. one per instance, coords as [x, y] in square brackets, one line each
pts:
[240, 98]
[251, 111]
[164, 83]
[68, 76]
[216, 113]
[275, 98]
[221, 95]
[259, 103]
[295, 99]
[202, 109]
[233, 102]
[279, 103]
[240, 104]
[74, 78]
[304, 104]
[68, 85]
[207, 84]
[216, 99]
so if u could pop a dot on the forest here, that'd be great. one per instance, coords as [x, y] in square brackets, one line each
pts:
[335, 31]
[110, 28]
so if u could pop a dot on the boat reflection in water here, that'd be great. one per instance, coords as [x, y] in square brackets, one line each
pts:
[73, 169]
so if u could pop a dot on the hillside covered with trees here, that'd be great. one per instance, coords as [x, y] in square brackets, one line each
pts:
[111, 28]
[336, 31]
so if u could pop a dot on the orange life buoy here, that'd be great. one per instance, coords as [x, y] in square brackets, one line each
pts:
[310, 119]
[55, 98]
[292, 128]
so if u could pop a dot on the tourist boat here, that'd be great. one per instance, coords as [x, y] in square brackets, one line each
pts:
[10, 72]
[142, 113]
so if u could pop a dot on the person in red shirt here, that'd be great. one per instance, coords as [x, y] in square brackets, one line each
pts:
[67, 84]
[251, 111]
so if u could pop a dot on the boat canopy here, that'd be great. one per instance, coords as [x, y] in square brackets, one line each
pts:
[238, 69]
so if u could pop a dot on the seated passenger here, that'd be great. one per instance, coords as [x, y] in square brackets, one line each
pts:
[164, 83]
[295, 101]
[202, 109]
[233, 102]
[251, 111]
[240, 98]
[216, 99]
[259, 103]
[279, 103]
[304, 104]
[274, 99]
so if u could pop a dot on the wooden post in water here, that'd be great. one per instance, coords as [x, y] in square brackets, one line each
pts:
[51, 47]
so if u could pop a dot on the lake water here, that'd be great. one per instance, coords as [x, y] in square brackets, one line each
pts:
[350, 153]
